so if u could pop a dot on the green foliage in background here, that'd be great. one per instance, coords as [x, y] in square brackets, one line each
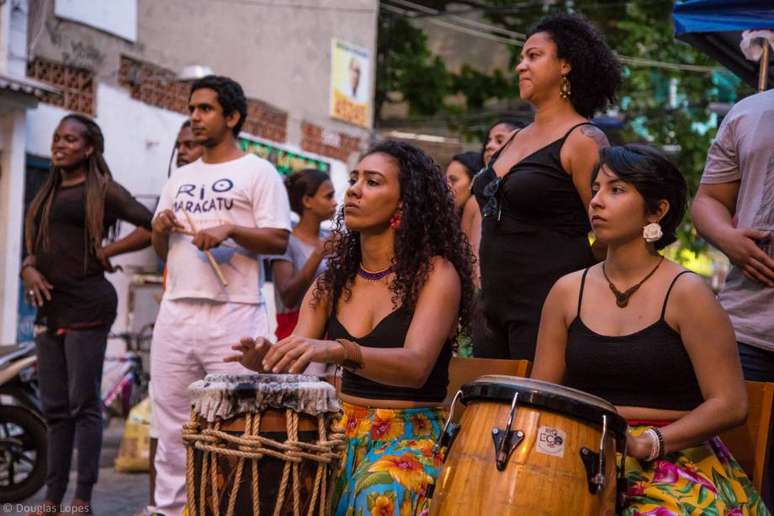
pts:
[680, 122]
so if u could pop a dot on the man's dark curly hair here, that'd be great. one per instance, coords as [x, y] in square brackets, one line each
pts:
[429, 227]
[231, 97]
[596, 72]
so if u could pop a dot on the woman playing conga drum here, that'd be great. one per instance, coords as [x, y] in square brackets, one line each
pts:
[396, 290]
[643, 333]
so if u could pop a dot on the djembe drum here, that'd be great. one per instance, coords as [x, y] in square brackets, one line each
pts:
[261, 444]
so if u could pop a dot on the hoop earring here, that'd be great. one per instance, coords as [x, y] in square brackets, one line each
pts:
[565, 88]
[652, 232]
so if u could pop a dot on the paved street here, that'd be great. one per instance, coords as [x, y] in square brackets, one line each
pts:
[116, 494]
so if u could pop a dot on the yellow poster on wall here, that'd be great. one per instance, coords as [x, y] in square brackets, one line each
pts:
[350, 83]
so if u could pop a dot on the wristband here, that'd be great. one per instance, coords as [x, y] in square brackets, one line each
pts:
[661, 446]
[24, 266]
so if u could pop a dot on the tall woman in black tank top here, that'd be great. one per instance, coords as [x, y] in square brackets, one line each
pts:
[535, 190]
[649, 337]
[397, 289]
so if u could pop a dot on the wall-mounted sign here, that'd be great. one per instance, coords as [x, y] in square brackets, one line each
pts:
[285, 161]
[350, 83]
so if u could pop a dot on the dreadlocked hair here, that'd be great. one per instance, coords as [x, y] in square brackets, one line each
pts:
[429, 227]
[98, 178]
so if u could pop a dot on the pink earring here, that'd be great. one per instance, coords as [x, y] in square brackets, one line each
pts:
[395, 220]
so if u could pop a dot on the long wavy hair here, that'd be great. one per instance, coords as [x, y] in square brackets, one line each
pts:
[98, 178]
[429, 227]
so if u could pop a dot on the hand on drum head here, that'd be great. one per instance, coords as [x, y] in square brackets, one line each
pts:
[293, 354]
[251, 353]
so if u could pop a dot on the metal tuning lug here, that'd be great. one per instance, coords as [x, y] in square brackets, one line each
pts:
[449, 432]
[595, 462]
[506, 439]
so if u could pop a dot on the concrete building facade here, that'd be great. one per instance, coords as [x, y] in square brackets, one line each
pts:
[120, 61]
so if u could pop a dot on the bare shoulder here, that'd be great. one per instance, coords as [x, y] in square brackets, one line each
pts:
[690, 287]
[588, 135]
[569, 284]
[442, 269]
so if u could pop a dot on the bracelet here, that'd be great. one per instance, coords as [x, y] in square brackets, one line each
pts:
[353, 355]
[661, 446]
[655, 444]
[24, 266]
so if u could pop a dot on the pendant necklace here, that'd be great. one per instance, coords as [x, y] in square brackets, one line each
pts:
[373, 276]
[622, 298]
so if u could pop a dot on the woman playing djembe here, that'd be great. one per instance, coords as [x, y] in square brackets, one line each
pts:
[643, 333]
[397, 288]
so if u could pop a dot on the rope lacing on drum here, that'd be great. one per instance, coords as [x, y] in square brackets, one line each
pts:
[214, 442]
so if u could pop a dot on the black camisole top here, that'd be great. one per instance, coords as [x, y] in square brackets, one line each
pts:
[648, 368]
[391, 332]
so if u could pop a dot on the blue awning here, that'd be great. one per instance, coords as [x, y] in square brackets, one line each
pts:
[715, 26]
[722, 15]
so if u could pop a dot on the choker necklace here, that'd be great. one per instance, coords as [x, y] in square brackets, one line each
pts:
[622, 298]
[373, 276]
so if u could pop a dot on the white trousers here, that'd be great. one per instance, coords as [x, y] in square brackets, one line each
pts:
[190, 339]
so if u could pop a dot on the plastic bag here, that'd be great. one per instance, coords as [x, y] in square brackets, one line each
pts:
[133, 453]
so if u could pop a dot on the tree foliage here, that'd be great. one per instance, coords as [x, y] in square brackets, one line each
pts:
[665, 107]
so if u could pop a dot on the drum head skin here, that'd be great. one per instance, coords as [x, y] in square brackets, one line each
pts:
[545, 395]
[226, 396]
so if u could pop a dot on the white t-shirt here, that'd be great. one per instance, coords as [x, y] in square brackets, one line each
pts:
[247, 191]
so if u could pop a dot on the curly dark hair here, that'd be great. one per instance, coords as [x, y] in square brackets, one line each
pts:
[596, 72]
[654, 175]
[429, 227]
[231, 96]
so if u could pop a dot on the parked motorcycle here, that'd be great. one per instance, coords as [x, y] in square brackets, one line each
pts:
[23, 441]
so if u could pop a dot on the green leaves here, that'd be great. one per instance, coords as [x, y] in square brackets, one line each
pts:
[670, 107]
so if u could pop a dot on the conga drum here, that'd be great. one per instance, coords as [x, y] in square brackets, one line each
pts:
[529, 447]
[261, 444]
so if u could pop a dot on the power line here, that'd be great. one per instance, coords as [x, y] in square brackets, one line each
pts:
[473, 23]
[458, 28]
[632, 61]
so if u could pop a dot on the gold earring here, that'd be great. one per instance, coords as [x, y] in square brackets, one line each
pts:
[565, 90]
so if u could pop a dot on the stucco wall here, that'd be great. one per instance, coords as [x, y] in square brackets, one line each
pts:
[280, 54]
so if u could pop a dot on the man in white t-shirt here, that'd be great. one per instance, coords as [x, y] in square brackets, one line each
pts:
[238, 210]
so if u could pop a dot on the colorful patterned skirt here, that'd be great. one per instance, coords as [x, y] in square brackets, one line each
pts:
[704, 480]
[389, 463]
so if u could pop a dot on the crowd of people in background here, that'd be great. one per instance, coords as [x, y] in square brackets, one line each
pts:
[497, 249]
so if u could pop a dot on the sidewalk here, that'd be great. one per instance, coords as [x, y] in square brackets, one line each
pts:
[116, 494]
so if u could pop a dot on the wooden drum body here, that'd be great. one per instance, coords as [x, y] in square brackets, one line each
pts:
[529, 447]
[261, 444]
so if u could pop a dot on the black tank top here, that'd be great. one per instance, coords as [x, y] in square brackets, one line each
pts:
[391, 332]
[647, 368]
[535, 191]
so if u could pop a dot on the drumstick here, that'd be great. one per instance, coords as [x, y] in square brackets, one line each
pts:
[214, 264]
[192, 234]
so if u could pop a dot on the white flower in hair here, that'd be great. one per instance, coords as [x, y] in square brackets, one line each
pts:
[652, 232]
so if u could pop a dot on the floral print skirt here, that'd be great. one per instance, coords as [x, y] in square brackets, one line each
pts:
[704, 480]
[389, 463]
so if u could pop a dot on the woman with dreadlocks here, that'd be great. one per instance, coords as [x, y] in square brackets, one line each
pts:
[397, 288]
[75, 210]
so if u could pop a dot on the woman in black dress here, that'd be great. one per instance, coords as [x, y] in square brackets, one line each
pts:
[64, 277]
[536, 188]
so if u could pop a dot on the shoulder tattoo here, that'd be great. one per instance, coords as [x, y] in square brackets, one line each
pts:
[595, 133]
